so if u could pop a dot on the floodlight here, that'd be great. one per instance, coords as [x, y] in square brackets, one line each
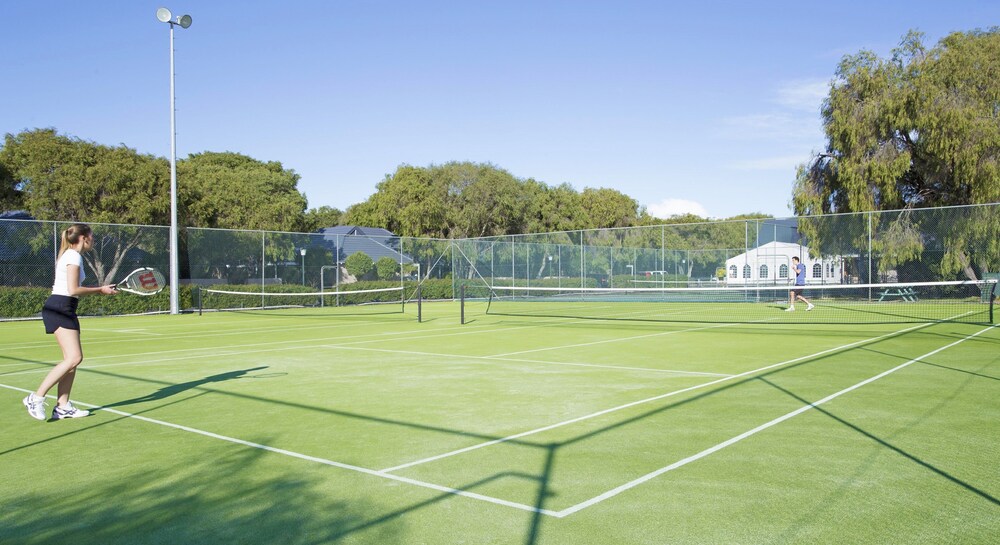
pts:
[184, 21]
[164, 15]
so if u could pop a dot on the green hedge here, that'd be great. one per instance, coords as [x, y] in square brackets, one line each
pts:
[27, 302]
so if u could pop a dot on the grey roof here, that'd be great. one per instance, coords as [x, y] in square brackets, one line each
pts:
[357, 230]
[373, 241]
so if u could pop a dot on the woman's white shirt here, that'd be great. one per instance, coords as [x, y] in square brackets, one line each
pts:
[61, 285]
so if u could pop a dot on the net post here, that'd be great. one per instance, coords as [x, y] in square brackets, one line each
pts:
[199, 300]
[993, 298]
[419, 305]
[462, 305]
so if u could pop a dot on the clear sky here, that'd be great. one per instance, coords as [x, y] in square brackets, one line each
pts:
[700, 106]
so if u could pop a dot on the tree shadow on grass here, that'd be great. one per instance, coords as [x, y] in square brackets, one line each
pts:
[229, 497]
[221, 495]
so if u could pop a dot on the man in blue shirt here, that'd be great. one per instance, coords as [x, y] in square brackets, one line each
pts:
[800, 280]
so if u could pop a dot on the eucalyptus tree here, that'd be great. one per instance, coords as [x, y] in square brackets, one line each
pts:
[919, 129]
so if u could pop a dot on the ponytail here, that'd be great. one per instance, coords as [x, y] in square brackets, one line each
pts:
[72, 235]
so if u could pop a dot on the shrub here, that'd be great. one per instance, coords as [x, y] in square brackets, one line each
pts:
[359, 265]
[386, 268]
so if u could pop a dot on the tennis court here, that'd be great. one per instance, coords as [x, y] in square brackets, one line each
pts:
[329, 425]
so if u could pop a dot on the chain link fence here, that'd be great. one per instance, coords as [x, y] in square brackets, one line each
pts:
[922, 245]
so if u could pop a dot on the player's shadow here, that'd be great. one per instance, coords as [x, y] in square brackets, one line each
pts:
[175, 389]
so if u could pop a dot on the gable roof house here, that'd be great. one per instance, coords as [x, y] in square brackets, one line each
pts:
[345, 240]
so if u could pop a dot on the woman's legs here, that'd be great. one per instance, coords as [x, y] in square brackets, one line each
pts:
[64, 373]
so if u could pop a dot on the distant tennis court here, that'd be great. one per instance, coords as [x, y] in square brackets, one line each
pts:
[323, 424]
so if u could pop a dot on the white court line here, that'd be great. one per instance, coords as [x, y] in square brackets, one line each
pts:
[308, 458]
[632, 484]
[644, 401]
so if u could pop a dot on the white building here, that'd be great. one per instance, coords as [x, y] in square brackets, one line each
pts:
[771, 263]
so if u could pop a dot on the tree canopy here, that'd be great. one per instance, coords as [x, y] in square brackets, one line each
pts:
[232, 191]
[920, 129]
[59, 177]
[464, 199]
[53, 176]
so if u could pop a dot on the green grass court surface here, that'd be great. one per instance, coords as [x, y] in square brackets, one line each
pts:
[327, 425]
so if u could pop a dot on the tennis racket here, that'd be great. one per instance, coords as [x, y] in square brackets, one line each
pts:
[142, 281]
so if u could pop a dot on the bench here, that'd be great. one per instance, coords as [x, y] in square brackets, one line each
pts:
[906, 294]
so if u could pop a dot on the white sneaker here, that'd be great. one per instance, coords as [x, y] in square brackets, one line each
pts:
[69, 411]
[790, 309]
[810, 307]
[36, 406]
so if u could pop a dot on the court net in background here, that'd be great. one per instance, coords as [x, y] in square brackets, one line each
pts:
[958, 301]
[374, 301]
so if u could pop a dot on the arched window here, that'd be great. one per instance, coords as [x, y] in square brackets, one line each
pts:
[817, 271]
[783, 271]
[763, 271]
[732, 271]
[746, 271]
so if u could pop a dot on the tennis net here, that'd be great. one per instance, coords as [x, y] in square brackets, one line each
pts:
[371, 301]
[957, 301]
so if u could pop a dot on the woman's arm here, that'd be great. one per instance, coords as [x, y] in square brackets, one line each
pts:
[73, 284]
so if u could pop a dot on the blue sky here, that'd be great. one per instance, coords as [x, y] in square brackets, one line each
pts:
[701, 107]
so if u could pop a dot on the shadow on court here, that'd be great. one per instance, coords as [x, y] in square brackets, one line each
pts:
[885, 443]
[227, 496]
[174, 389]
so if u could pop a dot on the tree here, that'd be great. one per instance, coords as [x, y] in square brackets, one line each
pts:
[408, 203]
[489, 202]
[322, 217]
[609, 208]
[558, 208]
[232, 191]
[921, 129]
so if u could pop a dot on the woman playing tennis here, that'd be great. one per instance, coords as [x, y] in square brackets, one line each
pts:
[59, 317]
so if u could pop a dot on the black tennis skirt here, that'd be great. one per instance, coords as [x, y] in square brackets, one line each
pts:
[60, 311]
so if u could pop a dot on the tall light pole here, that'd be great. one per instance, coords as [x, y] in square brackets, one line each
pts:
[164, 15]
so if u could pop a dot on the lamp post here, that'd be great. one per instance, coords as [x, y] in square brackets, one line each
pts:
[164, 15]
[303, 252]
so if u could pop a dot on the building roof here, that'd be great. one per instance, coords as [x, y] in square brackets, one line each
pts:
[345, 240]
[356, 230]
